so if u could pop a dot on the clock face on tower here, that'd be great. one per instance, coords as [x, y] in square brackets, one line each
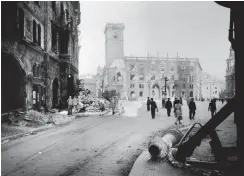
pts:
[115, 34]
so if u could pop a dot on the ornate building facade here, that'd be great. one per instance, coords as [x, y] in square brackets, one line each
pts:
[39, 53]
[143, 77]
[230, 75]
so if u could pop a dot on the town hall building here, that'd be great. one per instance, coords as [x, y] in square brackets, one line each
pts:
[141, 77]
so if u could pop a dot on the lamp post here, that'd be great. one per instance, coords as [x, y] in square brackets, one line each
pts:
[165, 84]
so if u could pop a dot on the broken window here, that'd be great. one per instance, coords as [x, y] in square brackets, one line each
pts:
[132, 77]
[64, 42]
[141, 94]
[34, 31]
[54, 39]
[39, 35]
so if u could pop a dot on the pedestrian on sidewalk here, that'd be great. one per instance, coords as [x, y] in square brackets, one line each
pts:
[168, 106]
[148, 104]
[178, 112]
[212, 107]
[153, 108]
[181, 101]
[112, 105]
[163, 102]
[175, 102]
[192, 109]
[75, 103]
[70, 104]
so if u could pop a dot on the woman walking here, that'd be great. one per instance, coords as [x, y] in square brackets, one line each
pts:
[178, 112]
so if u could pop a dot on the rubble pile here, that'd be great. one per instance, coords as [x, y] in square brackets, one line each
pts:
[91, 103]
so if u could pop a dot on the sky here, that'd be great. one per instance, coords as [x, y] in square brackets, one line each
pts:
[193, 29]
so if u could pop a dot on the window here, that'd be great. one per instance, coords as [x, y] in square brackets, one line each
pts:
[132, 86]
[132, 67]
[141, 86]
[39, 35]
[54, 6]
[153, 77]
[141, 94]
[215, 92]
[114, 78]
[172, 68]
[54, 39]
[183, 86]
[132, 77]
[215, 87]
[34, 70]
[34, 31]
[191, 68]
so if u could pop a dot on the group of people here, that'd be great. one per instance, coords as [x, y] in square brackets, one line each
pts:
[177, 106]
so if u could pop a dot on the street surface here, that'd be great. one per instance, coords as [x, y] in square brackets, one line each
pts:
[96, 145]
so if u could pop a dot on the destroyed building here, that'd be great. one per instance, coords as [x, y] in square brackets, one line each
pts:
[39, 53]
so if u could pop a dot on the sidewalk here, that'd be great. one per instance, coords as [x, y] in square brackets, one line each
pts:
[11, 132]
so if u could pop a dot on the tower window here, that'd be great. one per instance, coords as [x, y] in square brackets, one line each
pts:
[39, 34]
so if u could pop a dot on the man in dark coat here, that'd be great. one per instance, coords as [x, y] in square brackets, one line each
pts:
[153, 108]
[181, 102]
[212, 107]
[192, 109]
[148, 104]
[163, 102]
[175, 102]
[168, 106]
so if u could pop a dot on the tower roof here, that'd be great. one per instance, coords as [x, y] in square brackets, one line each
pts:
[114, 26]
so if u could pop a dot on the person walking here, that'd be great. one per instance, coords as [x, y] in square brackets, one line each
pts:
[178, 112]
[70, 104]
[181, 101]
[163, 102]
[148, 104]
[153, 108]
[112, 105]
[75, 103]
[192, 109]
[212, 107]
[175, 102]
[168, 106]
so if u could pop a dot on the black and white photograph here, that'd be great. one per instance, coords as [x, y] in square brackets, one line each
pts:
[122, 88]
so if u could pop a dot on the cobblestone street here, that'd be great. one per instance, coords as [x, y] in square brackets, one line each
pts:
[99, 145]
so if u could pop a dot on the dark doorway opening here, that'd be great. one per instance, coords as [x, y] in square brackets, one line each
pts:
[13, 85]
[70, 86]
[55, 92]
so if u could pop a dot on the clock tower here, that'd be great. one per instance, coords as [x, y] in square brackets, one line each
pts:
[114, 42]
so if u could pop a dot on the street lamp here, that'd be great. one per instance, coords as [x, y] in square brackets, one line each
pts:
[165, 84]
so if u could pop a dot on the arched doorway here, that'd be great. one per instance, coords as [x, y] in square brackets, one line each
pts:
[176, 91]
[191, 94]
[155, 91]
[13, 84]
[55, 88]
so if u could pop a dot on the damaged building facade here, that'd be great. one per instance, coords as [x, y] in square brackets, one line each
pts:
[141, 77]
[39, 53]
